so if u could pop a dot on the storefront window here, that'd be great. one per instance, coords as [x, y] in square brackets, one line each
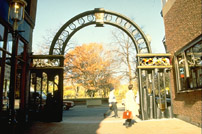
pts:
[1, 38]
[181, 68]
[20, 47]
[1, 52]
[6, 86]
[1, 35]
[190, 68]
[9, 43]
[195, 65]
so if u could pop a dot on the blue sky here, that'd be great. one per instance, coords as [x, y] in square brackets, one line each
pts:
[52, 14]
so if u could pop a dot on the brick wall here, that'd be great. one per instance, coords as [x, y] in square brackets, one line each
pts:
[183, 23]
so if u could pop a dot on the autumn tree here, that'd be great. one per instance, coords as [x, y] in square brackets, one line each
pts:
[89, 65]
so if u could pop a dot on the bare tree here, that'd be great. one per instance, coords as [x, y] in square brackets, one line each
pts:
[44, 46]
[126, 54]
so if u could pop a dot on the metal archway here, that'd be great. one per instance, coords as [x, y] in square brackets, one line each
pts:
[99, 17]
[87, 18]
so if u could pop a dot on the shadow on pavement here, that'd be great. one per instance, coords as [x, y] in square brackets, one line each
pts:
[78, 120]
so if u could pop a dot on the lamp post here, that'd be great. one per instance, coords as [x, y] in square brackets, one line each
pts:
[16, 15]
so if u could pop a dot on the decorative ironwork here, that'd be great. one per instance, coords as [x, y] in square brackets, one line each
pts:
[155, 61]
[46, 61]
[154, 85]
[84, 19]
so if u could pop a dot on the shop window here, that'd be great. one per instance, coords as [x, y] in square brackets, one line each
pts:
[1, 53]
[20, 47]
[1, 35]
[181, 68]
[6, 85]
[1, 38]
[189, 68]
[9, 43]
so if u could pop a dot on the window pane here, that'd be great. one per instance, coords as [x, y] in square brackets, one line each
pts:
[194, 56]
[6, 86]
[8, 59]
[1, 53]
[199, 76]
[190, 60]
[181, 64]
[9, 43]
[1, 35]
[197, 56]
[197, 53]
[190, 57]
[190, 67]
[20, 47]
[18, 90]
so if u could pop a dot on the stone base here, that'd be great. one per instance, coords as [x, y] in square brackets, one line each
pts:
[93, 102]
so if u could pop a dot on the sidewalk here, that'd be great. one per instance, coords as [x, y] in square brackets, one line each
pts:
[163, 126]
[94, 123]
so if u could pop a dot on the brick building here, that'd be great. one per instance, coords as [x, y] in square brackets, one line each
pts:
[183, 34]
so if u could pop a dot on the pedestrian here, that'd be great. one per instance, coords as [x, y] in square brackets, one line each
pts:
[131, 105]
[112, 104]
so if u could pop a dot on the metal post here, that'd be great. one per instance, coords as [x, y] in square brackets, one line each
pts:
[141, 94]
[41, 98]
[145, 102]
[23, 80]
[34, 95]
[12, 120]
[47, 84]
[154, 97]
[159, 93]
[151, 113]
[146, 95]
[171, 107]
[60, 88]
[159, 90]
[164, 87]
[22, 112]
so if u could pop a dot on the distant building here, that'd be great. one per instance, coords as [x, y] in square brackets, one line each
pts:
[183, 38]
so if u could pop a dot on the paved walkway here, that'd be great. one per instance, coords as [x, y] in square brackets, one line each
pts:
[82, 120]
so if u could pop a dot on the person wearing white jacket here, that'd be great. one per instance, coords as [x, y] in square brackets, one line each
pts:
[112, 104]
[131, 105]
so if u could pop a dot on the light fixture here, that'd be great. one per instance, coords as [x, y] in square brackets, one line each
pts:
[16, 12]
[99, 17]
